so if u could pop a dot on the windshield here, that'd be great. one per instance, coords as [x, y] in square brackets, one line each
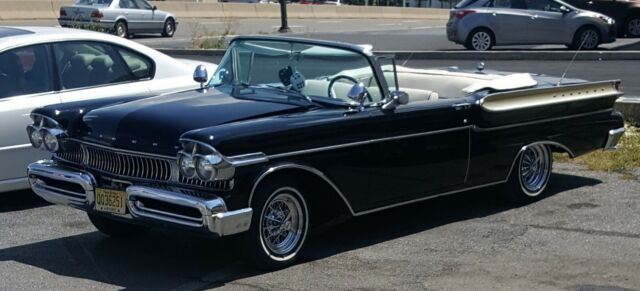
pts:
[320, 73]
[94, 2]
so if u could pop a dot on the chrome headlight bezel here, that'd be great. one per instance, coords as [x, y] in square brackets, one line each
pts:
[198, 160]
[45, 133]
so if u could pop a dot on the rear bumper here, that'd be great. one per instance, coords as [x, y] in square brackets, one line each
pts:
[145, 205]
[613, 138]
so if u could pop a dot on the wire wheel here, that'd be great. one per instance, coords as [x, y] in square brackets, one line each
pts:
[283, 223]
[633, 27]
[535, 169]
[481, 41]
[589, 39]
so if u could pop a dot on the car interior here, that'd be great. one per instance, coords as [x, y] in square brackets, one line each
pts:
[24, 71]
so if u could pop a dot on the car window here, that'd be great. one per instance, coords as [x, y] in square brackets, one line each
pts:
[472, 3]
[543, 5]
[86, 64]
[94, 2]
[25, 71]
[141, 66]
[143, 4]
[127, 4]
[502, 3]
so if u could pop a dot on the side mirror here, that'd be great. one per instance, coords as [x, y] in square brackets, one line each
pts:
[358, 93]
[201, 75]
[397, 98]
[564, 9]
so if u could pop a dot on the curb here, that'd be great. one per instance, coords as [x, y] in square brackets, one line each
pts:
[630, 108]
[468, 55]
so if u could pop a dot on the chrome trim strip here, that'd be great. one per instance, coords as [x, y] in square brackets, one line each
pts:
[613, 138]
[15, 147]
[481, 129]
[365, 142]
[299, 167]
[248, 159]
[50, 119]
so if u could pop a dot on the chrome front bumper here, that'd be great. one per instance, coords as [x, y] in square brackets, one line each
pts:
[66, 186]
[613, 139]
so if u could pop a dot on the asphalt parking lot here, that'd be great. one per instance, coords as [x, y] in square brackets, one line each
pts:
[584, 236]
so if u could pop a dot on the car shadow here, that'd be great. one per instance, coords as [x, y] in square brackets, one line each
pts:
[168, 259]
[20, 200]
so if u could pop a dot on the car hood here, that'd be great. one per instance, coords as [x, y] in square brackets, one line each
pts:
[155, 124]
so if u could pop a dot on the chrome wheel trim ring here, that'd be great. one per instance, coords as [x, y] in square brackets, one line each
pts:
[283, 224]
[169, 28]
[120, 30]
[481, 41]
[534, 169]
[589, 39]
[634, 27]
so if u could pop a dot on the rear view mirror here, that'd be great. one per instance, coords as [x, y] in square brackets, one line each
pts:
[397, 98]
[357, 93]
[201, 75]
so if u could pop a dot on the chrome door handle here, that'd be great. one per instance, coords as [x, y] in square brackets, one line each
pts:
[534, 17]
[461, 106]
[590, 2]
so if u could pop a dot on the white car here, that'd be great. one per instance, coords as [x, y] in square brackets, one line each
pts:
[46, 65]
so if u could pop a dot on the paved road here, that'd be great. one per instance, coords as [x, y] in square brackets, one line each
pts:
[586, 234]
[384, 34]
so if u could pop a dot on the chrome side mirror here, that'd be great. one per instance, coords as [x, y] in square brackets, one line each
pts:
[358, 93]
[564, 9]
[201, 75]
[397, 98]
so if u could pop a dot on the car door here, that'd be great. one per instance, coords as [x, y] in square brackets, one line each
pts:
[422, 150]
[148, 23]
[547, 22]
[90, 70]
[135, 16]
[510, 23]
[25, 84]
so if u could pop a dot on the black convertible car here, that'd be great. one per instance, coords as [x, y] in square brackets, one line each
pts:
[289, 133]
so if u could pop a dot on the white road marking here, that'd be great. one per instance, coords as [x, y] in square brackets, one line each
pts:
[389, 24]
[427, 27]
[329, 21]
[211, 22]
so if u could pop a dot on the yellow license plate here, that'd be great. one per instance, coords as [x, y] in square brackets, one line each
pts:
[108, 200]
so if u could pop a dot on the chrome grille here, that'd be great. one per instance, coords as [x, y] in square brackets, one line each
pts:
[222, 185]
[128, 165]
[72, 154]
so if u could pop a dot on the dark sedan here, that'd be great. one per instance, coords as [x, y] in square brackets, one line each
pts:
[626, 13]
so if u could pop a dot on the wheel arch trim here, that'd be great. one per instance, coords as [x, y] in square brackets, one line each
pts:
[543, 142]
[308, 169]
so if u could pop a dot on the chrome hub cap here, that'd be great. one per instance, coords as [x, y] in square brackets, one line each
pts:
[589, 39]
[634, 27]
[120, 30]
[282, 223]
[481, 41]
[535, 169]
[169, 28]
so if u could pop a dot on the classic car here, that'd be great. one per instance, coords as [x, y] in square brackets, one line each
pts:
[482, 24]
[625, 12]
[290, 133]
[46, 65]
[121, 17]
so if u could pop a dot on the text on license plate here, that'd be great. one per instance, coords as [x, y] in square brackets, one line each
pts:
[108, 200]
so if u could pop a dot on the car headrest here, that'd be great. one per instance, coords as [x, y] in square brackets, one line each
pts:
[102, 62]
[83, 60]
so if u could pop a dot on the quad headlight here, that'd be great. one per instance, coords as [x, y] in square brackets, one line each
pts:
[202, 161]
[45, 133]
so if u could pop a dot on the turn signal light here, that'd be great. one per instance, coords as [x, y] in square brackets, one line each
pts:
[462, 13]
[618, 86]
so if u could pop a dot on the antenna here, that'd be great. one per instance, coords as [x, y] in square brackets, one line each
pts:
[408, 58]
[571, 63]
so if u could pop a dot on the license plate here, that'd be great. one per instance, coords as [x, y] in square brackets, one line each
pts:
[112, 201]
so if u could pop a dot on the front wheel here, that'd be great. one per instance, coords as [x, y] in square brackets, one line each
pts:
[530, 175]
[480, 40]
[632, 26]
[121, 29]
[279, 225]
[169, 28]
[587, 38]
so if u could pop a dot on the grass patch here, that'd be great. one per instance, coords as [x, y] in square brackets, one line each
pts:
[625, 159]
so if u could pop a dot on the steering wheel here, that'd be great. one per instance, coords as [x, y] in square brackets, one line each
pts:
[352, 79]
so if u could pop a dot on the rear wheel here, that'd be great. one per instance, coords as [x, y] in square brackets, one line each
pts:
[169, 28]
[480, 40]
[121, 29]
[530, 175]
[116, 228]
[632, 26]
[279, 225]
[587, 38]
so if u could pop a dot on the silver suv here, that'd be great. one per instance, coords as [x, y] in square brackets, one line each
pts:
[481, 24]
